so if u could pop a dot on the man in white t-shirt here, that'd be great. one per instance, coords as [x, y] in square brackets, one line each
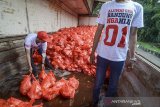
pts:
[36, 41]
[120, 20]
[39, 41]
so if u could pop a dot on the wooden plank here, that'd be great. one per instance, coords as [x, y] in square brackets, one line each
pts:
[11, 55]
[7, 45]
[8, 72]
[12, 38]
[4, 46]
[13, 66]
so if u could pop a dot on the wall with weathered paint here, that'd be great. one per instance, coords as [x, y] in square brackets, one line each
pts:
[87, 20]
[20, 17]
[42, 15]
[13, 17]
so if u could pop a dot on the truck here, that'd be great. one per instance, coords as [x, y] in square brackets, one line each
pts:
[20, 17]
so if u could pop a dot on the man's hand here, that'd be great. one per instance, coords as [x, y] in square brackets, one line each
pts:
[92, 58]
[30, 69]
[29, 59]
[43, 59]
[130, 64]
[132, 47]
[43, 67]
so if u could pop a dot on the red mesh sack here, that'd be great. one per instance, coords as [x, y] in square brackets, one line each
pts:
[35, 92]
[37, 57]
[53, 78]
[13, 102]
[73, 82]
[26, 104]
[3, 103]
[40, 105]
[42, 75]
[49, 81]
[58, 85]
[67, 91]
[25, 84]
[50, 93]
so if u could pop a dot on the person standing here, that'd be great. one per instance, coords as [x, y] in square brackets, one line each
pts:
[120, 20]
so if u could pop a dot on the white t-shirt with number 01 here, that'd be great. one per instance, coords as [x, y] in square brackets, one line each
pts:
[118, 18]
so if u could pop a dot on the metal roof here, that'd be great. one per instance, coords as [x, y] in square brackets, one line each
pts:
[79, 6]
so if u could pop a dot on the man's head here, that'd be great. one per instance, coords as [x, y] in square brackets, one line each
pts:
[42, 37]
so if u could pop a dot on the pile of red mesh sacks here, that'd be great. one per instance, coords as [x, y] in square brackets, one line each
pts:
[48, 87]
[70, 49]
[13, 102]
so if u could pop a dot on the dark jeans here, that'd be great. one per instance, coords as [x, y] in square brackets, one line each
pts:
[116, 69]
[40, 50]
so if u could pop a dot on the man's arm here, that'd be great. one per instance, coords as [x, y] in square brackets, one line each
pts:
[96, 40]
[132, 47]
[43, 59]
[97, 37]
[28, 59]
[132, 42]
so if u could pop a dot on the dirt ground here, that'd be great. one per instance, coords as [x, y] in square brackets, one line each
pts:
[83, 97]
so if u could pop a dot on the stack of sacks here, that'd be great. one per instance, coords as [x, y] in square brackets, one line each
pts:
[70, 49]
[47, 87]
